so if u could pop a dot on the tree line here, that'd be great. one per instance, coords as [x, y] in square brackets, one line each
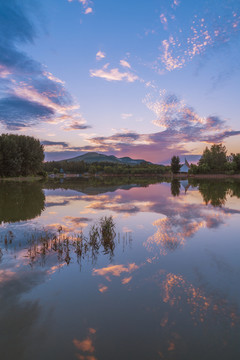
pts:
[81, 167]
[213, 161]
[216, 161]
[20, 155]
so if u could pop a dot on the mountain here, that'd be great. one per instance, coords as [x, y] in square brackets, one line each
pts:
[92, 157]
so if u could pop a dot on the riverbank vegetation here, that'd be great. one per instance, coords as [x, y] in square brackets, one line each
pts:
[81, 167]
[216, 161]
[100, 184]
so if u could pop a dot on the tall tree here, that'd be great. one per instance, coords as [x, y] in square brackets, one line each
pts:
[20, 155]
[214, 158]
[236, 161]
[175, 164]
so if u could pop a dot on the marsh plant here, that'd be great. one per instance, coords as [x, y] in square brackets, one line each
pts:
[101, 238]
[107, 234]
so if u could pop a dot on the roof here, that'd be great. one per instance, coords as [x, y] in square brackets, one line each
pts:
[185, 167]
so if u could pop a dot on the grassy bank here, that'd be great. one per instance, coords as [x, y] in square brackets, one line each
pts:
[23, 178]
[201, 176]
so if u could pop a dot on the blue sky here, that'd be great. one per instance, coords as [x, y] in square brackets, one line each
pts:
[141, 79]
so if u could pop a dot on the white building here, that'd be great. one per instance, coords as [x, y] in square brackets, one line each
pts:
[185, 167]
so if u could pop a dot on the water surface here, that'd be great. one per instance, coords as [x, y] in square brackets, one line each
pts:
[165, 287]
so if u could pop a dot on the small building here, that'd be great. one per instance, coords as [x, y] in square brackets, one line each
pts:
[185, 167]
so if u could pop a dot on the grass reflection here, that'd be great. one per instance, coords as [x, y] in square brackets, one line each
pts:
[101, 237]
[42, 246]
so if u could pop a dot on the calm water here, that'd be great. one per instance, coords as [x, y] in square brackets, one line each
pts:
[166, 287]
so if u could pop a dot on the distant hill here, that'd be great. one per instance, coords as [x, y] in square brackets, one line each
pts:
[92, 157]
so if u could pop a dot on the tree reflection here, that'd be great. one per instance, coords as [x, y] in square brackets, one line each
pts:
[175, 187]
[215, 192]
[101, 185]
[20, 201]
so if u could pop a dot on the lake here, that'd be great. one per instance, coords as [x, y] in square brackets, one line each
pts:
[120, 269]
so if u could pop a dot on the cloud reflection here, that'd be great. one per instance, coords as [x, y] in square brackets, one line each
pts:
[86, 346]
[115, 270]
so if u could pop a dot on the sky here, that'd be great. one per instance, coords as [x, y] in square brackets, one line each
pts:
[145, 79]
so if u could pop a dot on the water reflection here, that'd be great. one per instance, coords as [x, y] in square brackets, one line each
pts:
[216, 192]
[44, 245]
[86, 347]
[172, 293]
[175, 187]
[181, 217]
[97, 185]
[20, 201]
[197, 309]
[17, 318]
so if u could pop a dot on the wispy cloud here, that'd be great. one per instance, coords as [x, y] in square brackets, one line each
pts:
[100, 55]
[181, 125]
[113, 74]
[88, 11]
[124, 63]
[201, 32]
[76, 125]
[4, 72]
[86, 4]
[173, 114]
[55, 143]
[175, 3]
[125, 116]
[164, 20]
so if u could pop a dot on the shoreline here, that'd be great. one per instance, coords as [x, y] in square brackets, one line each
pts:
[77, 176]
[207, 176]
[167, 175]
[23, 178]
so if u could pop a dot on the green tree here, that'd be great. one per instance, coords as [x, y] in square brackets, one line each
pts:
[236, 161]
[92, 169]
[20, 155]
[175, 164]
[213, 159]
[108, 169]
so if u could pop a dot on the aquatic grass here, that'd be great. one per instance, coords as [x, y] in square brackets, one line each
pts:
[108, 234]
[107, 228]
[101, 237]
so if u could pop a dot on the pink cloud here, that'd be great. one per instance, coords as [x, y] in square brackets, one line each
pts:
[113, 74]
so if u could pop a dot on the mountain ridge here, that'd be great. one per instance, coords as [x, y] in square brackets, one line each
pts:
[91, 157]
